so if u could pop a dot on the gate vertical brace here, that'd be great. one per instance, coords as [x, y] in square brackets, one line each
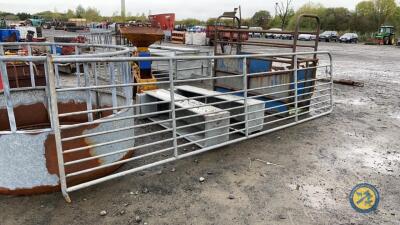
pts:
[7, 95]
[56, 127]
[173, 111]
[78, 69]
[331, 78]
[245, 94]
[296, 91]
[57, 72]
[31, 73]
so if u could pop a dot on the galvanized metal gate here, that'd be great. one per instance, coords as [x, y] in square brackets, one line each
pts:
[102, 130]
[110, 131]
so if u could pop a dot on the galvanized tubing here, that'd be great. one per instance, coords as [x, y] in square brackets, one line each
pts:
[97, 127]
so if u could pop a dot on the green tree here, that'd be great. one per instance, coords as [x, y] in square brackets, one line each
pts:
[284, 12]
[211, 21]
[190, 22]
[365, 8]
[70, 14]
[92, 14]
[5, 14]
[371, 14]
[23, 16]
[80, 11]
[306, 23]
[364, 20]
[261, 19]
[338, 19]
[383, 10]
[46, 15]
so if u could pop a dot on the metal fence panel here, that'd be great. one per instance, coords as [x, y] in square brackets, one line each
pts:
[104, 131]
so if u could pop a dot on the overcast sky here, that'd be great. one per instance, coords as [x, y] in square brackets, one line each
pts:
[200, 9]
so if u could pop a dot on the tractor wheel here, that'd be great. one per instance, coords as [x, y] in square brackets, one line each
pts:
[391, 41]
[386, 41]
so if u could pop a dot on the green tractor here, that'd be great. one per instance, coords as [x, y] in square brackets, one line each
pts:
[3, 24]
[385, 35]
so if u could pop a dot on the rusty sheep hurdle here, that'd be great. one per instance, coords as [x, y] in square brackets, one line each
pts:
[106, 128]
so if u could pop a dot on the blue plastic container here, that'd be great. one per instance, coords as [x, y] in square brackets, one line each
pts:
[6, 33]
[144, 65]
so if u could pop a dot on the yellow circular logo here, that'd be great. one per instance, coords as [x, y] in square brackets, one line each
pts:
[364, 198]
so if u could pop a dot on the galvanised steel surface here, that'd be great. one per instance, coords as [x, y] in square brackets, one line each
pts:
[28, 156]
[169, 124]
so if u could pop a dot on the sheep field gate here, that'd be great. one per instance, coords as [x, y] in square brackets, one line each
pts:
[107, 125]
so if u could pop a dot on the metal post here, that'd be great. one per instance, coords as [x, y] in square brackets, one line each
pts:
[78, 69]
[210, 70]
[331, 78]
[7, 95]
[31, 73]
[127, 80]
[176, 67]
[56, 127]
[47, 91]
[114, 89]
[57, 73]
[173, 112]
[88, 92]
[295, 87]
[245, 87]
[96, 82]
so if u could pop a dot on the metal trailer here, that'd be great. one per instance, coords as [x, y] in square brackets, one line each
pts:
[115, 130]
[266, 71]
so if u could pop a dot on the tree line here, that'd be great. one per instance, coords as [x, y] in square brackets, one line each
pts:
[91, 14]
[366, 18]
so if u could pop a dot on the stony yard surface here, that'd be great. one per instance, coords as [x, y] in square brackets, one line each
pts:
[313, 167]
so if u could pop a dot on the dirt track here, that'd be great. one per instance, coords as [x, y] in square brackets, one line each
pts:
[319, 163]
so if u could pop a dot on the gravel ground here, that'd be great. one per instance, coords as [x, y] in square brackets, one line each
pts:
[315, 166]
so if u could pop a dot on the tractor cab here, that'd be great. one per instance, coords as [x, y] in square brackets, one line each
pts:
[385, 35]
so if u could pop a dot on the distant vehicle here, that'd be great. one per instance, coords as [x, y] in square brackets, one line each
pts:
[180, 27]
[273, 35]
[112, 26]
[35, 22]
[197, 29]
[307, 37]
[328, 36]
[398, 42]
[286, 36]
[385, 35]
[47, 25]
[255, 34]
[349, 38]
[75, 24]
[3, 24]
